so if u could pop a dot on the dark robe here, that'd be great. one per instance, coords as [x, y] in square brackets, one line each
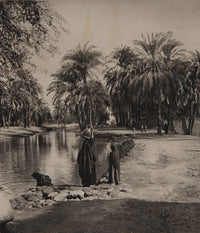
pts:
[86, 160]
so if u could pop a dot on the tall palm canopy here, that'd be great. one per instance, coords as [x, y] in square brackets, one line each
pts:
[74, 84]
[84, 61]
[154, 81]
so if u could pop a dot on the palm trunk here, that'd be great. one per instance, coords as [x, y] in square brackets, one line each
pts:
[9, 114]
[120, 115]
[171, 126]
[130, 115]
[90, 113]
[192, 118]
[78, 118]
[25, 118]
[65, 113]
[184, 125]
[159, 118]
[168, 115]
[29, 117]
[4, 123]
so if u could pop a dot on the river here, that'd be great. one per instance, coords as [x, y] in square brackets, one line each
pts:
[53, 153]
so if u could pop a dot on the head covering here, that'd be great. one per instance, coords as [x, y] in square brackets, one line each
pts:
[87, 133]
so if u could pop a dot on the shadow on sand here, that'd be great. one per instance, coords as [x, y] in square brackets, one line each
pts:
[114, 216]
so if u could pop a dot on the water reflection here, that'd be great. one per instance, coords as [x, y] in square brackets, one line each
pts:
[53, 153]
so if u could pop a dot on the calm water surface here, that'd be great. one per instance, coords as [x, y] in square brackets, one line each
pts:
[53, 153]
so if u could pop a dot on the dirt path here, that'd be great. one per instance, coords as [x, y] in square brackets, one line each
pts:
[165, 168]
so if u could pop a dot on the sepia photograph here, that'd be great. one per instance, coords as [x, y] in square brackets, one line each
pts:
[99, 116]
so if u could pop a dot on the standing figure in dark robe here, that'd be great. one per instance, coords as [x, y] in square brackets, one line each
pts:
[114, 164]
[86, 159]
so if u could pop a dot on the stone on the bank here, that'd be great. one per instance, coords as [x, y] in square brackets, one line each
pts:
[61, 196]
[49, 202]
[76, 194]
[18, 203]
[47, 192]
[123, 190]
[52, 195]
[89, 193]
[6, 211]
[90, 198]
[32, 196]
[109, 192]
[36, 204]
[42, 202]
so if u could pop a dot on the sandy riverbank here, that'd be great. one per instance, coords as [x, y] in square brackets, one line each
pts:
[159, 192]
[7, 133]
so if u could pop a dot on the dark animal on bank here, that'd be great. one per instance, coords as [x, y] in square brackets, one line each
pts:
[42, 180]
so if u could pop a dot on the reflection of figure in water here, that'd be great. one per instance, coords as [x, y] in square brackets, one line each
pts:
[114, 164]
[86, 158]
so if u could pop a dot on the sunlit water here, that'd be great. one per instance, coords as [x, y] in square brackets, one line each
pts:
[53, 153]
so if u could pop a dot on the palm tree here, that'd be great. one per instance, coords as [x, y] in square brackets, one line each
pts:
[91, 97]
[175, 62]
[61, 89]
[117, 76]
[79, 66]
[40, 111]
[27, 92]
[151, 82]
[193, 83]
[84, 61]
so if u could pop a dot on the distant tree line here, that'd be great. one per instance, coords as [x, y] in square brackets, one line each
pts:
[155, 79]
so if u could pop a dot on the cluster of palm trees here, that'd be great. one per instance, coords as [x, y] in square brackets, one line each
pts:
[21, 101]
[155, 79]
[77, 89]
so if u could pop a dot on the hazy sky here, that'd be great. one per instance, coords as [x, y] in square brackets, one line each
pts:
[108, 24]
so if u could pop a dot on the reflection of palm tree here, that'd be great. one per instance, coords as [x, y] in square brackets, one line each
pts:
[151, 82]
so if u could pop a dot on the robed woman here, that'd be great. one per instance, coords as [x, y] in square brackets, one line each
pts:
[86, 158]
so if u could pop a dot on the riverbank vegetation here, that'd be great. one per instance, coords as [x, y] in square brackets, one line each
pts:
[151, 83]
[27, 28]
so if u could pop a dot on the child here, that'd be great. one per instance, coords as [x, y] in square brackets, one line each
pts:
[114, 164]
